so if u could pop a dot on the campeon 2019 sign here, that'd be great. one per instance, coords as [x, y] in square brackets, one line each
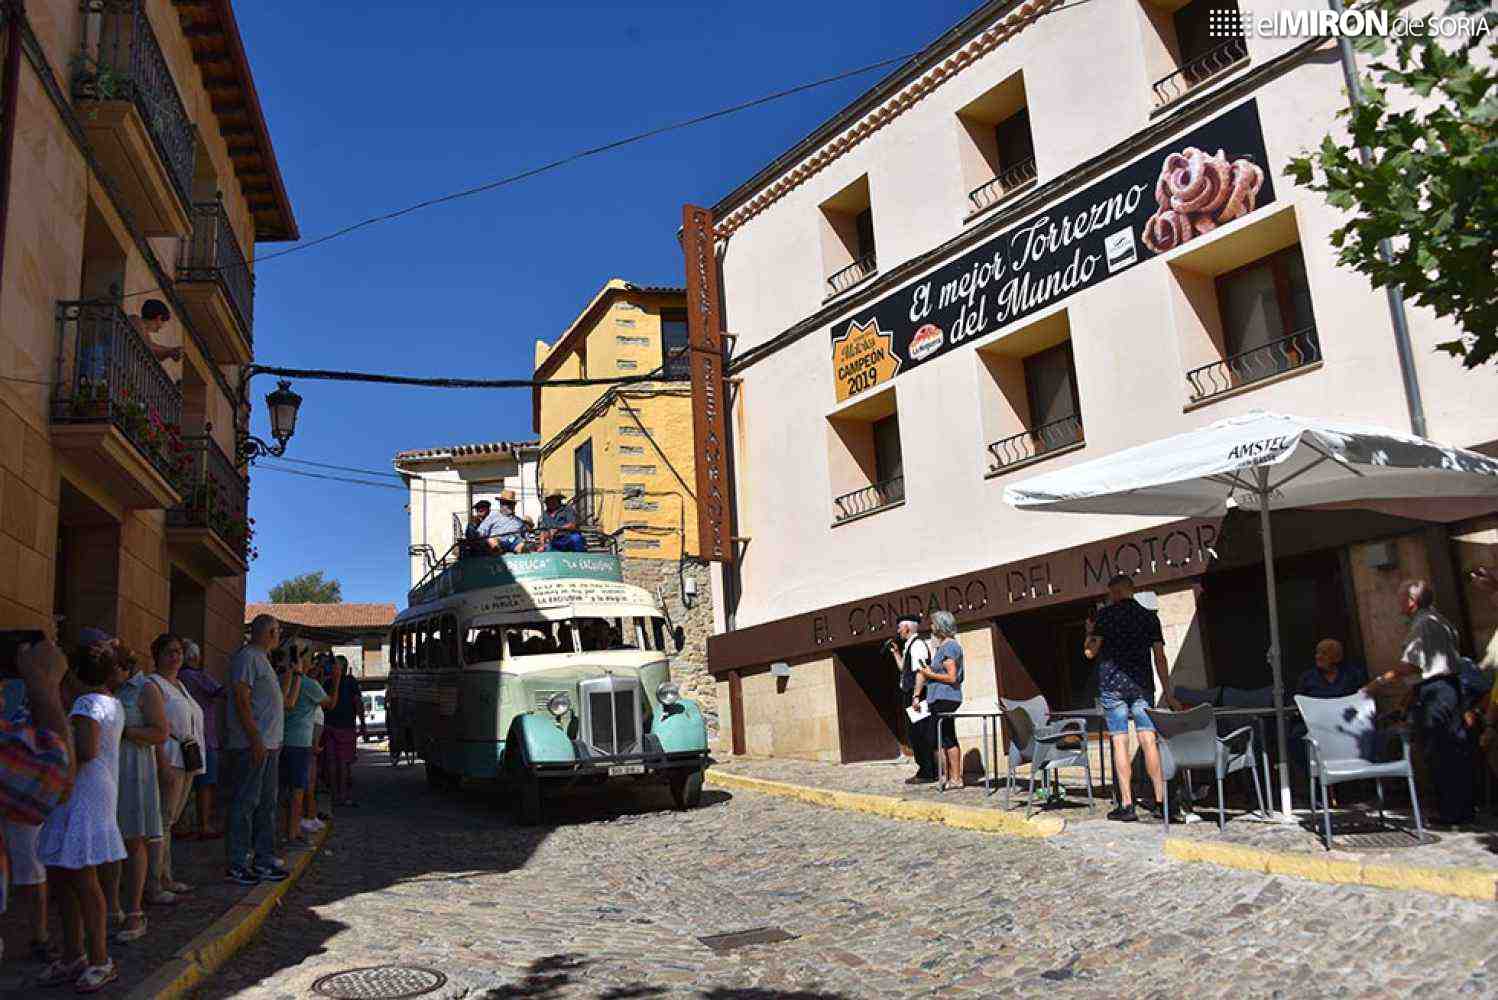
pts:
[1206, 178]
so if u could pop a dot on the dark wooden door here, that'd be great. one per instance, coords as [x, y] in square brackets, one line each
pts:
[868, 703]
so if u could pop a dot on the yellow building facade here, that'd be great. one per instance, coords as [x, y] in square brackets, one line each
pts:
[623, 451]
[137, 174]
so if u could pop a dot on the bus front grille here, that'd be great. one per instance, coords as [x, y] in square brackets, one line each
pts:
[611, 715]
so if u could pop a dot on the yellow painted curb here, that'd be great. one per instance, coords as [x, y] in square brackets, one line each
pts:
[222, 939]
[1480, 884]
[960, 817]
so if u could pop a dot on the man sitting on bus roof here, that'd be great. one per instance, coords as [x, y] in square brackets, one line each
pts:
[559, 526]
[501, 531]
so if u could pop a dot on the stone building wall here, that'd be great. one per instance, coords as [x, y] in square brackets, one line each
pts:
[689, 667]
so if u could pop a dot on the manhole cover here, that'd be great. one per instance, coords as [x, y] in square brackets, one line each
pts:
[1380, 840]
[379, 982]
[742, 939]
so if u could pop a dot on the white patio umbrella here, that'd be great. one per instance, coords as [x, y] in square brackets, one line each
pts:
[1263, 461]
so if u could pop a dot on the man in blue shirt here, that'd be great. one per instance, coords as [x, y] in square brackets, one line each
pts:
[502, 531]
[1331, 677]
[559, 526]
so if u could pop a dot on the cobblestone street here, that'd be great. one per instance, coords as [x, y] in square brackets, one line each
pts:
[610, 902]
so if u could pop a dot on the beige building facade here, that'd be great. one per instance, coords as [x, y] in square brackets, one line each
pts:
[1059, 231]
[445, 482]
[137, 168]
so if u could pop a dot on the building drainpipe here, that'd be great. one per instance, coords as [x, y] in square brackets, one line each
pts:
[10, 79]
[1395, 294]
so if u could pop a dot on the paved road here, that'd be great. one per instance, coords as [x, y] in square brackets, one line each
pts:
[609, 904]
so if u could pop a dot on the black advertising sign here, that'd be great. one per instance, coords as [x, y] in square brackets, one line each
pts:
[1177, 193]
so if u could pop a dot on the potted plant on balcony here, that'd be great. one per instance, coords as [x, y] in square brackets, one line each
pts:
[159, 439]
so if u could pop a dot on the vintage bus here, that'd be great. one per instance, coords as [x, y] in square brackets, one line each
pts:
[537, 672]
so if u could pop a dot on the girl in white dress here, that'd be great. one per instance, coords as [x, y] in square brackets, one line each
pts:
[83, 833]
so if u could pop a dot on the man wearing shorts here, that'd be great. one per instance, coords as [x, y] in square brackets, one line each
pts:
[1123, 637]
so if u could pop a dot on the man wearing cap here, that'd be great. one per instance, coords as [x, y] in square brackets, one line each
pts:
[912, 653]
[502, 530]
[559, 525]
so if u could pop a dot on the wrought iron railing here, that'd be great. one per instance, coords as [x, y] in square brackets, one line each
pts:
[1200, 69]
[1008, 180]
[120, 60]
[851, 275]
[1274, 358]
[106, 373]
[215, 496]
[870, 498]
[1031, 444]
[212, 253]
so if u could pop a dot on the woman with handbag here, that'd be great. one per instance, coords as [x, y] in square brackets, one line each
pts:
[178, 760]
[138, 812]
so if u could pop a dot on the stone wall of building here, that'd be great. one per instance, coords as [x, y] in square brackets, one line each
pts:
[689, 667]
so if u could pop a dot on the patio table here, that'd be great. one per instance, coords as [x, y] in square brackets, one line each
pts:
[1256, 717]
[990, 740]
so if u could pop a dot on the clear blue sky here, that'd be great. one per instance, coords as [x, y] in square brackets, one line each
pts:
[375, 105]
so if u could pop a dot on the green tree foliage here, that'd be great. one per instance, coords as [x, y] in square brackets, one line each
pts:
[1430, 117]
[309, 588]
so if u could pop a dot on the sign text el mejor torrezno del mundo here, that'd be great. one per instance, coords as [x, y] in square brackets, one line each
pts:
[1185, 189]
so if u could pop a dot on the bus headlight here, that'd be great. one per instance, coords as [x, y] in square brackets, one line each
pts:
[559, 704]
[668, 694]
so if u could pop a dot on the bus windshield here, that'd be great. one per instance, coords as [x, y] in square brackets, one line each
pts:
[490, 643]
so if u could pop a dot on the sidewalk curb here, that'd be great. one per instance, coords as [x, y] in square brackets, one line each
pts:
[960, 817]
[222, 939]
[1480, 884]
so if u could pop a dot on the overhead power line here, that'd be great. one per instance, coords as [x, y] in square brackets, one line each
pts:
[598, 150]
[556, 164]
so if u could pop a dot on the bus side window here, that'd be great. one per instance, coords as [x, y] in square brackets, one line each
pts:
[450, 640]
[658, 629]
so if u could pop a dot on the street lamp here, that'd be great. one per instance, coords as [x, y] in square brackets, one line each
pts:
[283, 405]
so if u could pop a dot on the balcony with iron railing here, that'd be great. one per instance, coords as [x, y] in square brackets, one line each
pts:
[217, 285]
[859, 271]
[869, 500]
[212, 524]
[1009, 180]
[115, 410]
[136, 118]
[1278, 357]
[1212, 63]
[1031, 445]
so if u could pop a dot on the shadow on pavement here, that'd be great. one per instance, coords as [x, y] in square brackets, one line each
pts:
[555, 976]
[405, 833]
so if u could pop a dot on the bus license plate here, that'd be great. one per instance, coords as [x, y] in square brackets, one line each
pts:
[617, 769]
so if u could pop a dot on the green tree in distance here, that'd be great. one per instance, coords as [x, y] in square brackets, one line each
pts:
[309, 588]
[1429, 115]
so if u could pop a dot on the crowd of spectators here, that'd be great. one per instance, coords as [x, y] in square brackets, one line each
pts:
[93, 799]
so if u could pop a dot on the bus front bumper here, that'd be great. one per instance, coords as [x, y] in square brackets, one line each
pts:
[623, 765]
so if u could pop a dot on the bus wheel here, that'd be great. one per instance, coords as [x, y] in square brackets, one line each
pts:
[528, 800]
[686, 789]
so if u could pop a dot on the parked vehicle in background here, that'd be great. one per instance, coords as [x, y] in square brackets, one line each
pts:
[374, 715]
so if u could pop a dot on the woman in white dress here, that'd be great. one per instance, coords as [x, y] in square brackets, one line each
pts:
[83, 832]
[184, 719]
